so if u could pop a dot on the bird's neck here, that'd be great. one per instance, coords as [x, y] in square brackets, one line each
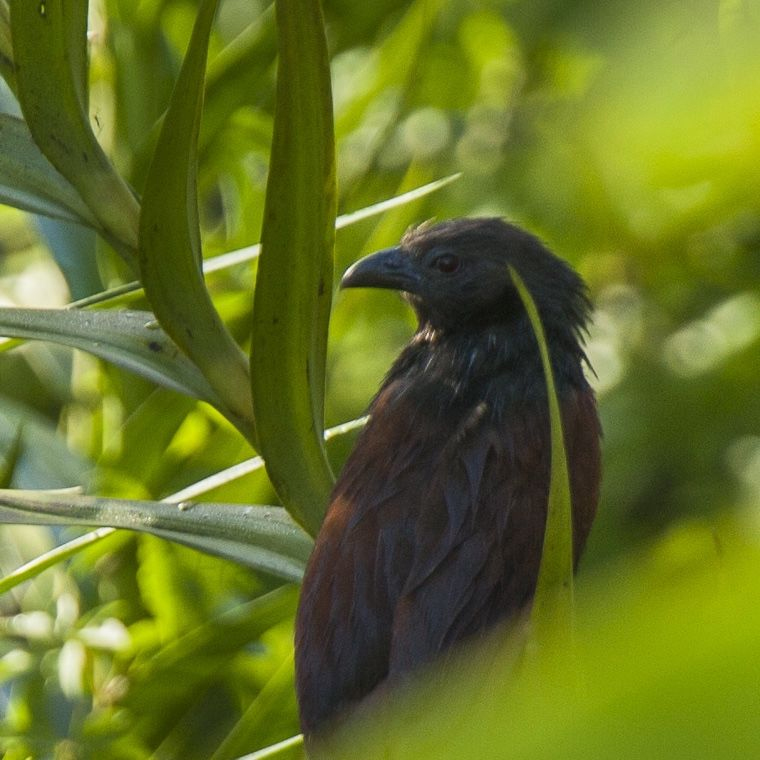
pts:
[499, 364]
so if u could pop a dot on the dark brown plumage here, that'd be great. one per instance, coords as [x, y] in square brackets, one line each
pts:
[435, 526]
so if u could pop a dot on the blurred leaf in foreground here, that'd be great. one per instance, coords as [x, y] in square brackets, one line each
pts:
[668, 661]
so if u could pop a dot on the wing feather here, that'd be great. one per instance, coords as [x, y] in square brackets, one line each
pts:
[429, 538]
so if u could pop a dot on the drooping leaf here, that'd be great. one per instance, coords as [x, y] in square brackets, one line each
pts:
[294, 280]
[170, 249]
[50, 53]
[132, 340]
[30, 182]
[264, 538]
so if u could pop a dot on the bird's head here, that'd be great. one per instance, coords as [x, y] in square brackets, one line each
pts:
[456, 275]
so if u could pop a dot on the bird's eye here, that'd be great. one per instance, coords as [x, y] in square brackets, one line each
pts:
[447, 263]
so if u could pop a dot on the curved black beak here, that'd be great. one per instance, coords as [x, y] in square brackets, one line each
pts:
[391, 268]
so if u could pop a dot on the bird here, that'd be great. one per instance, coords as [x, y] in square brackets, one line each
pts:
[434, 530]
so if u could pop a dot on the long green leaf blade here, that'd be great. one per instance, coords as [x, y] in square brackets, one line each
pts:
[294, 280]
[275, 698]
[10, 457]
[7, 67]
[50, 52]
[130, 339]
[238, 626]
[239, 470]
[264, 538]
[249, 253]
[287, 749]
[553, 602]
[30, 182]
[170, 249]
[33, 568]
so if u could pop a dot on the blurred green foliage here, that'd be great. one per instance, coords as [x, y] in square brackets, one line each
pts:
[628, 137]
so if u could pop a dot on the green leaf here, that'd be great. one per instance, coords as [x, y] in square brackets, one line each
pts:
[288, 749]
[74, 249]
[346, 220]
[241, 469]
[10, 458]
[43, 458]
[224, 634]
[249, 253]
[32, 569]
[264, 538]
[398, 61]
[170, 249]
[670, 668]
[30, 182]
[554, 593]
[266, 715]
[50, 52]
[294, 280]
[130, 339]
[7, 67]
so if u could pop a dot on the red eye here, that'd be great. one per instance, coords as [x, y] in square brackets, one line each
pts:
[446, 263]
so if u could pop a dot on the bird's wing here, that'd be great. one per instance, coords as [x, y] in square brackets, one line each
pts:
[360, 561]
[430, 537]
[480, 526]
[478, 535]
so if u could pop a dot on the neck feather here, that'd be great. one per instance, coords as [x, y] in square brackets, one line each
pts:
[500, 365]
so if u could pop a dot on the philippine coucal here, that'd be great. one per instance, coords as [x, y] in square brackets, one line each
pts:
[435, 527]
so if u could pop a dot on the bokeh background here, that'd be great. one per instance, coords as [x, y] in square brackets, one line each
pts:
[627, 136]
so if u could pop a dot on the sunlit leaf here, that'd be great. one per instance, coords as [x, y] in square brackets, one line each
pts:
[345, 220]
[294, 280]
[50, 52]
[288, 749]
[264, 538]
[170, 248]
